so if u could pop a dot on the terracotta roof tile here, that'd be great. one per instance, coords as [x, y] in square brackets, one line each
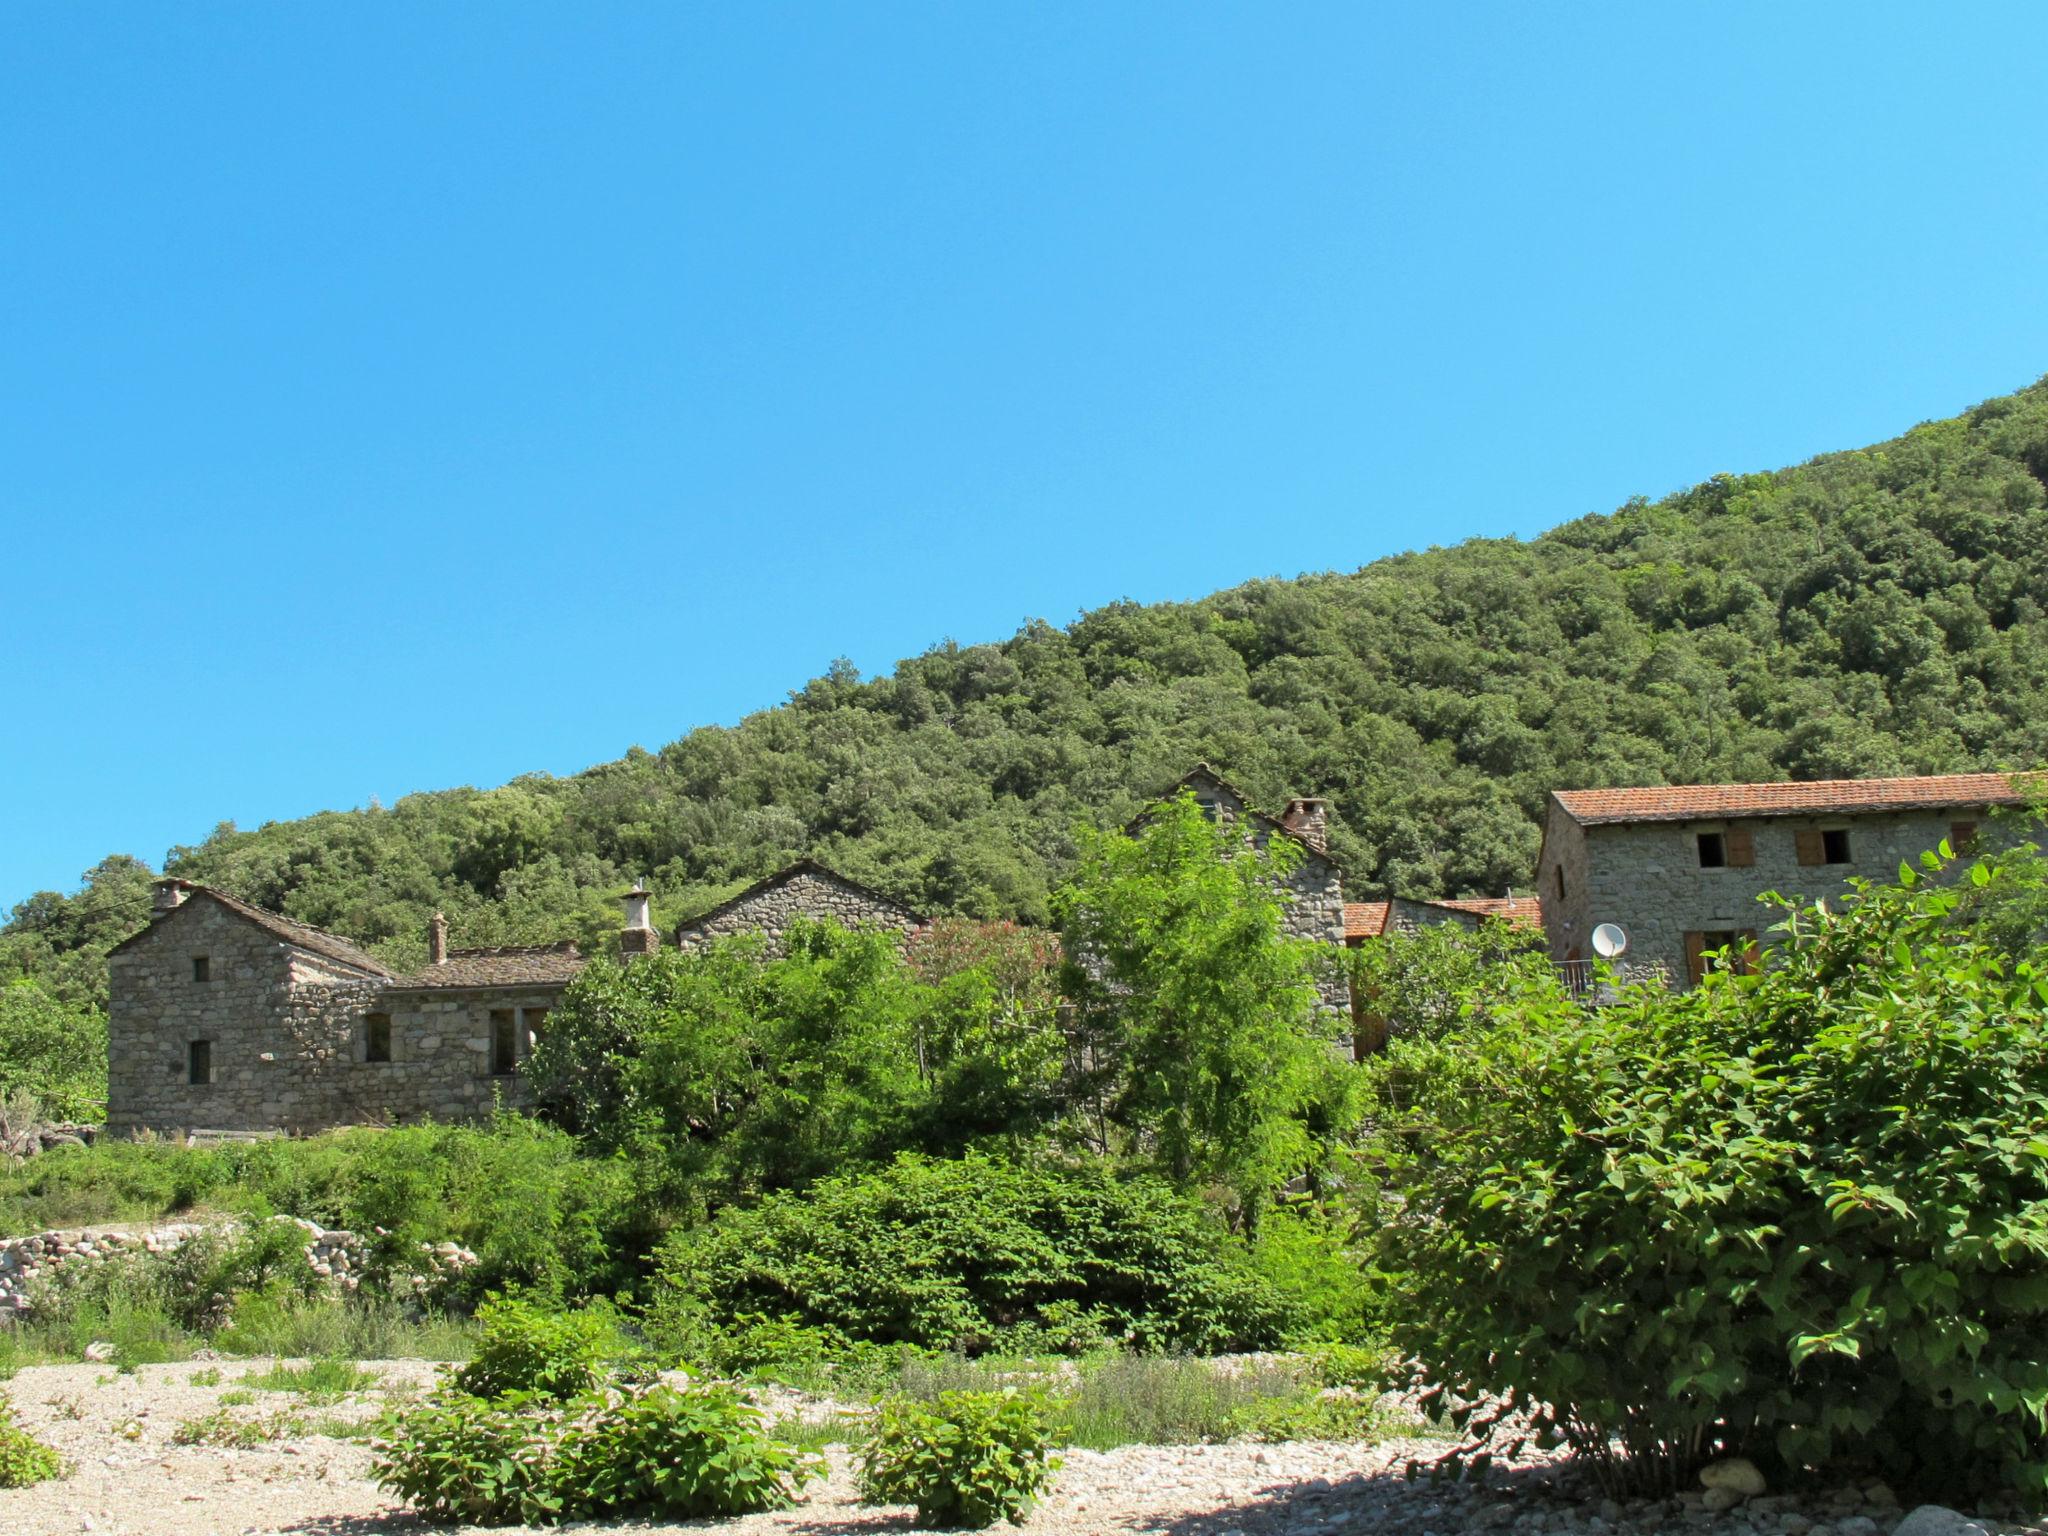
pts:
[1366, 919]
[1515, 911]
[510, 965]
[1821, 797]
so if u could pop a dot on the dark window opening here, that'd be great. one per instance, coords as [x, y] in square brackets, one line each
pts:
[1557, 881]
[377, 1037]
[202, 968]
[1834, 845]
[1962, 837]
[1718, 949]
[535, 1018]
[1713, 851]
[504, 1043]
[199, 1062]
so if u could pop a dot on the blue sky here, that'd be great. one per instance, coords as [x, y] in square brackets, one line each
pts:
[400, 396]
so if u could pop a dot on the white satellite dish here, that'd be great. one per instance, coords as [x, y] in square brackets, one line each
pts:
[1610, 940]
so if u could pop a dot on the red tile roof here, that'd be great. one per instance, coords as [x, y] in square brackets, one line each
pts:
[1515, 911]
[1365, 919]
[1822, 797]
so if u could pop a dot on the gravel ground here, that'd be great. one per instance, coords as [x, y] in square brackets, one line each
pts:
[132, 1480]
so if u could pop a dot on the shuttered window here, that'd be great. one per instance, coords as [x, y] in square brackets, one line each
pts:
[1740, 843]
[1962, 836]
[1742, 954]
[1807, 841]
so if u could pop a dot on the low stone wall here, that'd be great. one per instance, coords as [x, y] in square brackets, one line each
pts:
[335, 1256]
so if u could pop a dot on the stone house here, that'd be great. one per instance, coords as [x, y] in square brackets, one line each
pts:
[804, 889]
[1367, 922]
[225, 1017]
[1680, 869]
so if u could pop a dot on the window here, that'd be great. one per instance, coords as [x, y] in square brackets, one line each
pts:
[1702, 952]
[1713, 851]
[1962, 836]
[199, 1062]
[377, 1037]
[202, 968]
[504, 1043]
[535, 1017]
[1817, 846]
[1557, 881]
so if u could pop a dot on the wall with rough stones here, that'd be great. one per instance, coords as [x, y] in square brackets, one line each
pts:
[337, 1257]
[1647, 877]
[288, 1037]
[807, 893]
[278, 1020]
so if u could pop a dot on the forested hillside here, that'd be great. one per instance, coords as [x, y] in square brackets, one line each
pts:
[1877, 611]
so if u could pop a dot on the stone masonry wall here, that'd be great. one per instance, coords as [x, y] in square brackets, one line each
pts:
[1647, 876]
[277, 1021]
[287, 1033]
[807, 893]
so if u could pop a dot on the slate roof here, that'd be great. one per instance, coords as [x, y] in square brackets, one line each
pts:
[1821, 797]
[783, 876]
[507, 965]
[315, 941]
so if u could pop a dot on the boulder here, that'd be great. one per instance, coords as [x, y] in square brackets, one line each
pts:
[1735, 1473]
[1938, 1520]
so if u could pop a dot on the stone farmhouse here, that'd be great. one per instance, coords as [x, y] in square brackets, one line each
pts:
[1680, 869]
[805, 889]
[224, 1017]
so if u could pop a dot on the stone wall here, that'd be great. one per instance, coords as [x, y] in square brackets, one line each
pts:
[1647, 877]
[337, 1257]
[770, 908]
[277, 1022]
[287, 1032]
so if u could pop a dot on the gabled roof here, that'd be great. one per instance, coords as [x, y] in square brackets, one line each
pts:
[1821, 797]
[1273, 823]
[1370, 919]
[315, 941]
[506, 965]
[782, 877]
[1515, 911]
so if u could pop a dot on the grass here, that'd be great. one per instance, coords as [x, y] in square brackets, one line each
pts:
[318, 1382]
[230, 1431]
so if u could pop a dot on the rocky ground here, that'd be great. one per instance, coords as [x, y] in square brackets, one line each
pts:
[133, 1477]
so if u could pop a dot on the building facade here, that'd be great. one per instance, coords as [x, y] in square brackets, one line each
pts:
[806, 889]
[1680, 870]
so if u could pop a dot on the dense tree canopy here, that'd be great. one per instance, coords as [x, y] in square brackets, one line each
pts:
[1877, 611]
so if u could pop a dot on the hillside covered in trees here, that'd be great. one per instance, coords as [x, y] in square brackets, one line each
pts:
[1870, 612]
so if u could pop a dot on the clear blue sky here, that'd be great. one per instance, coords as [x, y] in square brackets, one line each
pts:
[400, 396]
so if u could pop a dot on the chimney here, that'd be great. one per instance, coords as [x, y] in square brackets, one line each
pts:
[170, 893]
[437, 939]
[638, 936]
[1309, 820]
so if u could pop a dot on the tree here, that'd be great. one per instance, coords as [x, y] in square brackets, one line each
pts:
[1200, 1015]
[52, 1051]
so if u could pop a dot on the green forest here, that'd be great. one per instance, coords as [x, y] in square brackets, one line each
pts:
[1870, 612]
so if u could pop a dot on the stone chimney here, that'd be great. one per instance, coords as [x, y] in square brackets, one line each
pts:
[638, 936]
[437, 939]
[1309, 820]
[170, 893]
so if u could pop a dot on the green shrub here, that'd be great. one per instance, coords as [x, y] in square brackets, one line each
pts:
[966, 1461]
[461, 1460]
[24, 1460]
[229, 1431]
[1797, 1215]
[1320, 1269]
[1175, 1400]
[528, 1459]
[524, 1347]
[674, 1454]
[964, 1253]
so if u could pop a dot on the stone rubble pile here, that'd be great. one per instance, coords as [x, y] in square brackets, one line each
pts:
[335, 1256]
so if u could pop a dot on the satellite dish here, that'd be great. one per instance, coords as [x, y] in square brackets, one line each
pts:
[1610, 940]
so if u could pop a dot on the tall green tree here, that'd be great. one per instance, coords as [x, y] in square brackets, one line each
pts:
[1199, 1015]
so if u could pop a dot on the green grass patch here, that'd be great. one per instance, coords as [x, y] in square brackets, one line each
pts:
[318, 1382]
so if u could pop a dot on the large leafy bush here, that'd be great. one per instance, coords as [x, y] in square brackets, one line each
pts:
[962, 1253]
[966, 1460]
[524, 1347]
[1801, 1215]
[527, 1458]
